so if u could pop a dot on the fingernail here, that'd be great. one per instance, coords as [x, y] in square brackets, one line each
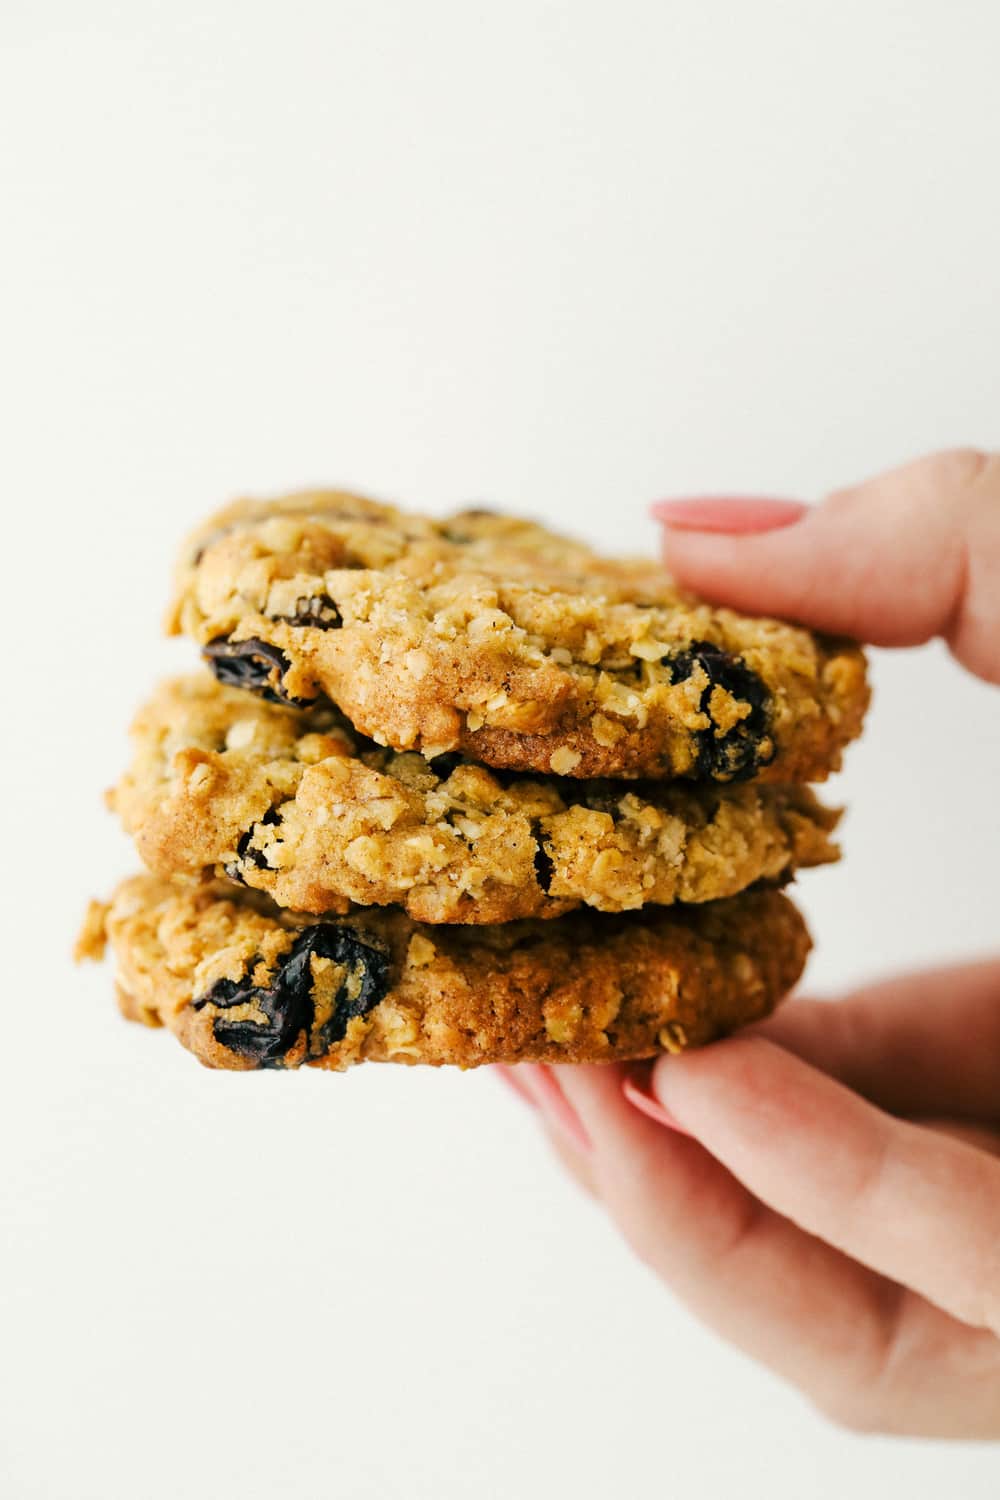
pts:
[506, 1076]
[556, 1108]
[731, 515]
[645, 1102]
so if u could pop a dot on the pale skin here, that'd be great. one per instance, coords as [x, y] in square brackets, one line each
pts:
[823, 1190]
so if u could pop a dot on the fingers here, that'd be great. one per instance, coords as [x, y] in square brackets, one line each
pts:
[973, 1135]
[545, 1093]
[509, 1079]
[913, 1205]
[786, 1299]
[574, 1161]
[867, 1353]
[909, 555]
[919, 1044]
[534, 1084]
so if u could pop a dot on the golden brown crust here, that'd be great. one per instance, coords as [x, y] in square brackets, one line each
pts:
[244, 985]
[295, 803]
[525, 650]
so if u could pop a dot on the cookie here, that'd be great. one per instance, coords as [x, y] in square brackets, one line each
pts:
[495, 637]
[243, 984]
[295, 803]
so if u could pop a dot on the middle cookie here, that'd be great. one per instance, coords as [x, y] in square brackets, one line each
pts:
[298, 804]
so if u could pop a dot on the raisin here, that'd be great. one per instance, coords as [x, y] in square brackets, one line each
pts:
[452, 529]
[544, 868]
[606, 796]
[253, 664]
[443, 765]
[248, 855]
[317, 610]
[209, 541]
[737, 754]
[288, 1003]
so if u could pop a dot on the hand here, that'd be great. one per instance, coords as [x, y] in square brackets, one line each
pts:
[824, 1189]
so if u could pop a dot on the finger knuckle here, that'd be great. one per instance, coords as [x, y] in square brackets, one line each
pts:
[960, 469]
[863, 1186]
[852, 1411]
[644, 1239]
[985, 1309]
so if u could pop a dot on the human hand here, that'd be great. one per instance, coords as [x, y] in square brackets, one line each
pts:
[824, 1189]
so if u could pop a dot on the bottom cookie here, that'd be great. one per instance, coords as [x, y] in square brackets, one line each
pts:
[243, 984]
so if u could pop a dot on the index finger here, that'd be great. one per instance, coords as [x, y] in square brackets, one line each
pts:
[915, 1206]
[909, 555]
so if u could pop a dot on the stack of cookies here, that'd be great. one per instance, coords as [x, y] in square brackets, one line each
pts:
[463, 791]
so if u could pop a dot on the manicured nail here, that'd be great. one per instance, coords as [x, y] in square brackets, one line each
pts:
[506, 1076]
[732, 515]
[647, 1104]
[554, 1105]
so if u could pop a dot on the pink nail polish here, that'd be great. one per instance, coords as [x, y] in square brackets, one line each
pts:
[555, 1106]
[730, 515]
[646, 1104]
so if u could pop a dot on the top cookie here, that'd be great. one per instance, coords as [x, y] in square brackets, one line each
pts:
[527, 651]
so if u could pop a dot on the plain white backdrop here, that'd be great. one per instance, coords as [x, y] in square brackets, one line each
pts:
[561, 256]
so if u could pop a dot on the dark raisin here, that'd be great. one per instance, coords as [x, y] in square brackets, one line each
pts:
[606, 796]
[443, 765]
[505, 778]
[248, 855]
[253, 664]
[209, 541]
[317, 610]
[454, 531]
[736, 755]
[544, 868]
[288, 1003]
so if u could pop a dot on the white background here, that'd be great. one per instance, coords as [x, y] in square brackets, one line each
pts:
[562, 256]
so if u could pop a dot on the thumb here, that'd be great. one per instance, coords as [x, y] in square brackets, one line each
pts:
[909, 555]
